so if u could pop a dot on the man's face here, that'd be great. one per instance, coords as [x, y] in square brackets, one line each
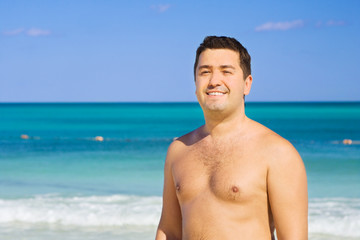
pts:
[220, 85]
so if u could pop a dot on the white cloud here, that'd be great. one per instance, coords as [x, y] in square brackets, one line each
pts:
[13, 32]
[335, 23]
[330, 23]
[161, 7]
[35, 32]
[32, 32]
[279, 26]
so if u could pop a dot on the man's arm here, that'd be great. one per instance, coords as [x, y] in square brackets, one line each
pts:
[287, 189]
[170, 222]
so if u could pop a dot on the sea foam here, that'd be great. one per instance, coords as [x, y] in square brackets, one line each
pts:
[116, 210]
[335, 216]
[327, 216]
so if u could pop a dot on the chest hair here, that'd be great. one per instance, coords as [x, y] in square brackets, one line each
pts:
[215, 154]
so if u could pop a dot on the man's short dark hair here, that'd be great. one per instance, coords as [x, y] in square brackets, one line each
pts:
[215, 42]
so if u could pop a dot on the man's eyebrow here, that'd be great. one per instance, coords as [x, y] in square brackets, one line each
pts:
[221, 66]
[204, 66]
[227, 66]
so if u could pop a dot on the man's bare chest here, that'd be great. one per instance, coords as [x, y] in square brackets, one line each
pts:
[224, 171]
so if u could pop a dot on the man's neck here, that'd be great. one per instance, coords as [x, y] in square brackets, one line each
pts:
[219, 125]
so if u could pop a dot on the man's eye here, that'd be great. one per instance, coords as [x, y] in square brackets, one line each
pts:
[204, 72]
[227, 72]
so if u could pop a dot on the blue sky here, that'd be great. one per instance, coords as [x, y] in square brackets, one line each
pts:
[143, 51]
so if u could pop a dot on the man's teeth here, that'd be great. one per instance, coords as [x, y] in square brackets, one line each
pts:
[215, 93]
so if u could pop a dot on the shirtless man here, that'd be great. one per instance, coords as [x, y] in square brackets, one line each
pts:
[232, 178]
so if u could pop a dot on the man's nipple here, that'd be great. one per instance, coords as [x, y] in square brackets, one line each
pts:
[235, 189]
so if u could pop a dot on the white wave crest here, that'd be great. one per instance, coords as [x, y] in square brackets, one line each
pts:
[116, 210]
[335, 216]
[327, 216]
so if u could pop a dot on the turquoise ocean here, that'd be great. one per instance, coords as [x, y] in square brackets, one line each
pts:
[58, 182]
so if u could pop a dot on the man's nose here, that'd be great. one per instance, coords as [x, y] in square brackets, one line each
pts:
[215, 79]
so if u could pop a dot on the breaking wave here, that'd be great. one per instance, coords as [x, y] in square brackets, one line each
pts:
[327, 216]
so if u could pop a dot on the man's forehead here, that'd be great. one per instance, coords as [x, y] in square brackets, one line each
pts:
[219, 57]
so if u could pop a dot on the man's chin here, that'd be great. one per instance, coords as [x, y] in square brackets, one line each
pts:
[215, 107]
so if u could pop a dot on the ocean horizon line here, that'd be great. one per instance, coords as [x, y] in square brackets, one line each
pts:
[170, 102]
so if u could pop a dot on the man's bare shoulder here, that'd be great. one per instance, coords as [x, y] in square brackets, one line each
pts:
[181, 144]
[191, 137]
[276, 148]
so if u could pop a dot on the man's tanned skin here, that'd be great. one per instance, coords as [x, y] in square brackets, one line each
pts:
[232, 178]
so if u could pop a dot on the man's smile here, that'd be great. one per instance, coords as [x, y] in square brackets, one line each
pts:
[216, 92]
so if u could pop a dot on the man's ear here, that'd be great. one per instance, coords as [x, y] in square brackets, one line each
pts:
[247, 87]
